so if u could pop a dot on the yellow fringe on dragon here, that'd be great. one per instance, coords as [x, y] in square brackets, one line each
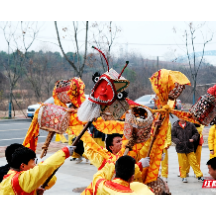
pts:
[164, 82]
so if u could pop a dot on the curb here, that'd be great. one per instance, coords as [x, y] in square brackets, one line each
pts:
[13, 120]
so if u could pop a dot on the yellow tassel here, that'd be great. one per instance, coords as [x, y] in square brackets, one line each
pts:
[58, 138]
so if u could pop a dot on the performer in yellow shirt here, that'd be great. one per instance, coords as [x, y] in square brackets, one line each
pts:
[113, 151]
[25, 178]
[8, 155]
[164, 163]
[212, 141]
[123, 183]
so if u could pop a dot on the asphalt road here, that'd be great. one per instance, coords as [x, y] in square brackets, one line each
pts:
[15, 132]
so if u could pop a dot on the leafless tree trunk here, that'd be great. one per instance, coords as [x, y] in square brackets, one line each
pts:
[78, 68]
[35, 70]
[14, 67]
[195, 66]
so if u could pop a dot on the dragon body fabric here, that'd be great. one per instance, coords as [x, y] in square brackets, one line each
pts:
[65, 91]
[163, 83]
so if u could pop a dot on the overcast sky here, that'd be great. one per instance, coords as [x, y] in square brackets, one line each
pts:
[148, 38]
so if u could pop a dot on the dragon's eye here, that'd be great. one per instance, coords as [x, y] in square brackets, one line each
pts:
[96, 77]
[122, 95]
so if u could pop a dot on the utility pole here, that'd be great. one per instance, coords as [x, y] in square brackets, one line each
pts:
[194, 88]
[157, 62]
[10, 104]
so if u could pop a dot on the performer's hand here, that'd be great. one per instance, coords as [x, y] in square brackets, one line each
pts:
[40, 191]
[71, 149]
[145, 162]
[191, 140]
[158, 123]
[38, 160]
[163, 156]
[167, 188]
[212, 152]
[71, 110]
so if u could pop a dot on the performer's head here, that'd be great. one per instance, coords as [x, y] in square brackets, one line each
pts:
[212, 167]
[125, 168]
[114, 143]
[23, 159]
[182, 121]
[10, 150]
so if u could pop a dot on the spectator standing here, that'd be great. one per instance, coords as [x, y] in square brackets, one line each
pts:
[184, 134]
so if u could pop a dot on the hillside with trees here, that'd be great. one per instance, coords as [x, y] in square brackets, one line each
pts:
[42, 69]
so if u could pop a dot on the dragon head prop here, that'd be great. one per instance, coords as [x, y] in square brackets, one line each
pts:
[69, 91]
[107, 97]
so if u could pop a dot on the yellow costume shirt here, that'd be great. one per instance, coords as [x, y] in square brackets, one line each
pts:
[26, 182]
[103, 186]
[212, 140]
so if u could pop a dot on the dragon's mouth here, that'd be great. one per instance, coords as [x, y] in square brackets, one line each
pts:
[103, 92]
[115, 111]
[107, 116]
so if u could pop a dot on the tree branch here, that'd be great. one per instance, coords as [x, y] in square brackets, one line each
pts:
[77, 46]
[60, 45]
[187, 52]
[86, 46]
[203, 53]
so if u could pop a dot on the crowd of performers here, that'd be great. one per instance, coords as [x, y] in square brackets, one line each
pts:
[125, 141]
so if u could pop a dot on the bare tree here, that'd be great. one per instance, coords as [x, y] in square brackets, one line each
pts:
[35, 73]
[79, 66]
[17, 47]
[194, 61]
[104, 39]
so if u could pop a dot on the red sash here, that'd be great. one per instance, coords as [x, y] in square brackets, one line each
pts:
[117, 187]
[16, 187]
[97, 185]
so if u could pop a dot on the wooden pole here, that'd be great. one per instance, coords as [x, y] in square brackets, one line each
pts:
[152, 142]
[81, 133]
[48, 180]
[73, 144]
[154, 137]
[46, 144]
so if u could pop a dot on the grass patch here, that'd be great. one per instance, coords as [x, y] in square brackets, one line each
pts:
[5, 118]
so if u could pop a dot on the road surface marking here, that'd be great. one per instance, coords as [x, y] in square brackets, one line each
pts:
[7, 123]
[21, 138]
[15, 129]
[18, 138]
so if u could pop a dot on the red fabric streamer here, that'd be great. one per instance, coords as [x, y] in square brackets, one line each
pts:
[130, 102]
